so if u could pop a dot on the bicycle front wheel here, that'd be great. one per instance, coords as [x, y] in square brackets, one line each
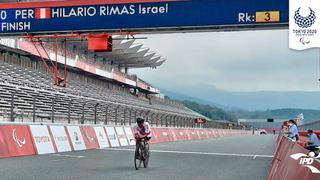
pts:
[146, 156]
[138, 157]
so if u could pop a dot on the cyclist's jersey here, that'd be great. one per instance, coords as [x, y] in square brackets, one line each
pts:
[144, 131]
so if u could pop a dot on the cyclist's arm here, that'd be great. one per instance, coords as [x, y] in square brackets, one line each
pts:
[147, 129]
[136, 131]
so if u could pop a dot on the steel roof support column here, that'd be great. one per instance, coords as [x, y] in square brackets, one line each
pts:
[52, 110]
[95, 113]
[116, 119]
[69, 111]
[12, 107]
[130, 116]
[83, 115]
[106, 120]
[34, 109]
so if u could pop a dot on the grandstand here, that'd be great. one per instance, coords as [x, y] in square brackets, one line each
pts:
[98, 91]
[24, 79]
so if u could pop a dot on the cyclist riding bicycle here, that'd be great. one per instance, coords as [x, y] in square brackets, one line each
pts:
[142, 130]
[142, 134]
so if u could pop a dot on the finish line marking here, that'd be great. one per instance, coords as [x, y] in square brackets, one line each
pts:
[254, 156]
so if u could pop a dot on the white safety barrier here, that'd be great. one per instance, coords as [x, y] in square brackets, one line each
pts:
[42, 139]
[113, 138]
[76, 138]
[130, 137]
[102, 137]
[19, 140]
[60, 138]
[122, 136]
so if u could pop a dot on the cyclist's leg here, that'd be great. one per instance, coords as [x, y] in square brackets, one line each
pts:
[138, 144]
[147, 139]
[146, 151]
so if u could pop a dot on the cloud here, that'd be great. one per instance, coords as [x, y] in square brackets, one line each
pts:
[231, 61]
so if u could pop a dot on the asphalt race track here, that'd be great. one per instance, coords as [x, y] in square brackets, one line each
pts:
[229, 158]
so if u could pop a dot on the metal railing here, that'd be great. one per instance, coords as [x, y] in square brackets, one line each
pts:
[89, 112]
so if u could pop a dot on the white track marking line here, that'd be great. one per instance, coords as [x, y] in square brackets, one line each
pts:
[67, 155]
[64, 159]
[254, 156]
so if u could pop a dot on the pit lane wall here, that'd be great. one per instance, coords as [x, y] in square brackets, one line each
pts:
[293, 162]
[24, 139]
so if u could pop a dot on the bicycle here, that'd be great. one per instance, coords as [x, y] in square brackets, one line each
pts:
[141, 154]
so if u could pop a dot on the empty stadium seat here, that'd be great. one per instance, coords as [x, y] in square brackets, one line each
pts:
[27, 87]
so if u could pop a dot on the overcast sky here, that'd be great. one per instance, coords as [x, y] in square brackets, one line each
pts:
[231, 61]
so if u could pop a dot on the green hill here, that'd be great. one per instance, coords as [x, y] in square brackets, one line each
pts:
[211, 112]
[309, 114]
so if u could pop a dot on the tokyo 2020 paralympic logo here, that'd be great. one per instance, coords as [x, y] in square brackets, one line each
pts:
[304, 22]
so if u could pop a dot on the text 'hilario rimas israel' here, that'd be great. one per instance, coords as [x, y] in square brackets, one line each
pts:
[19, 19]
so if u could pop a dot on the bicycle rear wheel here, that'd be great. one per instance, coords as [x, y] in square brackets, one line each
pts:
[138, 157]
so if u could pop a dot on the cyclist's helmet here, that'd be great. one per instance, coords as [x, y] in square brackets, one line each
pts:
[140, 120]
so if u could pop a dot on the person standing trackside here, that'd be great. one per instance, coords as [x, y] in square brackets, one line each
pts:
[313, 143]
[293, 130]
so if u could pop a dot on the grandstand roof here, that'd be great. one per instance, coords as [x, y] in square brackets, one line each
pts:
[126, 53]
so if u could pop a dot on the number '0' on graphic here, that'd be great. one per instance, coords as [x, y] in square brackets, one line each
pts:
[3, 15]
